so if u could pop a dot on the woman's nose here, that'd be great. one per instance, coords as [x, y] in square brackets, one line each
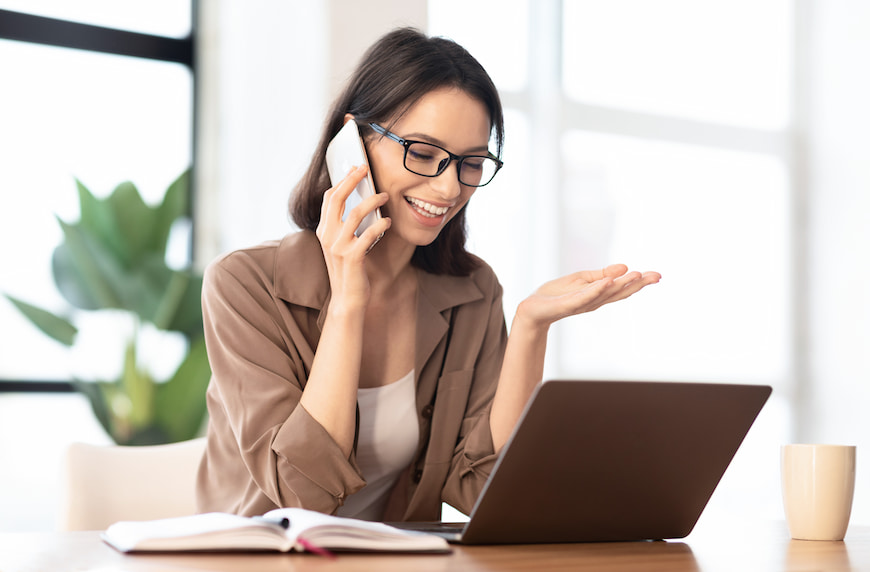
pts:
[447, 183]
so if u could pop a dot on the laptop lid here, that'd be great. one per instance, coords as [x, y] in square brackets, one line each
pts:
[613, 461]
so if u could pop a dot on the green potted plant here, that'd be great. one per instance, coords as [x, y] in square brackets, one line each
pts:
[114, 259]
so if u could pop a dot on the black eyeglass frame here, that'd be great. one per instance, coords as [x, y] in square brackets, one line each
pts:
[406, 143]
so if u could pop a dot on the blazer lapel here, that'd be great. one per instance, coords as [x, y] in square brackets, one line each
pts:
[437, 296]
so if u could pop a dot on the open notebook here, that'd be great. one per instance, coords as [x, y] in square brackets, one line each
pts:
[281, 530]
[609, 461]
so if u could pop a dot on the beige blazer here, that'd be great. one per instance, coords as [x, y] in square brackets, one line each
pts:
[264, 308]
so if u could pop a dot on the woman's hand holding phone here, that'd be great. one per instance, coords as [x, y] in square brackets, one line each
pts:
[344, 251]
[331, 392]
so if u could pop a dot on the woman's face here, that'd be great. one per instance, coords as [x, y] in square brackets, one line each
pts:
[420, 206]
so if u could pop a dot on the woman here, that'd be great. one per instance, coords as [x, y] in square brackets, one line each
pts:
[378, 380]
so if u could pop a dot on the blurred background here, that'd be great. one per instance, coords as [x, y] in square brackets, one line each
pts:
[721, 143]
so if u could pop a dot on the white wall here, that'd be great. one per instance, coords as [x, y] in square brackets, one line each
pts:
[261, 94]
[838, 234]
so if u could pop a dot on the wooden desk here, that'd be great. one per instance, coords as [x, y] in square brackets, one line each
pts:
[763, 548]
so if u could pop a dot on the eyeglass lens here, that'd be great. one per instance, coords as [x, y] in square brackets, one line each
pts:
[428, 160]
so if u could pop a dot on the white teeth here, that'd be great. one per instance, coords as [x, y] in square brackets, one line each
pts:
[427, 209]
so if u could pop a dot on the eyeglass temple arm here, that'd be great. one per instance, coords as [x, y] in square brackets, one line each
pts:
[386, 133]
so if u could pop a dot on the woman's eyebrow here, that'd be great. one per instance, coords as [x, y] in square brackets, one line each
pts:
[440, 143]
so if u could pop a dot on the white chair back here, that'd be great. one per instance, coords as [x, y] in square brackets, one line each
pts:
[105, 484]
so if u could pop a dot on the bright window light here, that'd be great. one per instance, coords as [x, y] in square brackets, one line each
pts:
[474, 24]
[724, 62]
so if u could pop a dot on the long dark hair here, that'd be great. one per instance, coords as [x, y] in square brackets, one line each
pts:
[394, 73]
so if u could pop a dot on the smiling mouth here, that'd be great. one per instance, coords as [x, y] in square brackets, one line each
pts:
[426, 209]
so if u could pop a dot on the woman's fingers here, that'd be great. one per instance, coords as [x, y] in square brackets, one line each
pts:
[335, 198]
[615, 270]
[364, 208]
[619, 289]
[373, 233]
[332, 229]
[586, 291]
[332, 206]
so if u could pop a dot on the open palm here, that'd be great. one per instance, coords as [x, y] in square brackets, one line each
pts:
[584, 291]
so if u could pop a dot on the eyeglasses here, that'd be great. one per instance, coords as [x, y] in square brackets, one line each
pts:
[430, 160]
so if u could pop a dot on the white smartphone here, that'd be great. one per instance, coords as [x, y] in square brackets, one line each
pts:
[346, 150]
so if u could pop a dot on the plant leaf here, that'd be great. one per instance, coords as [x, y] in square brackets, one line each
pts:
[169, 303]
[95, 392]
[90, 277]
[180, 309]
[135, 221]
[150, 435]
[84, 271]
[98, 220]
[188, 317]
[55, 327]
[144, 286]
[139, 387]
[173, 207]
[180, 402]
[77, 287]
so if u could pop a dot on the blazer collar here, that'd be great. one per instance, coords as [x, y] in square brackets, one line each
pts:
[300, 271]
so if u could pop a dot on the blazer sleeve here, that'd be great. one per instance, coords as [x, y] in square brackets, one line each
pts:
[265, 443]
[474, 455]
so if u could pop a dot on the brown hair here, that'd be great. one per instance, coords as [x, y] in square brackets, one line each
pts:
[394, 73]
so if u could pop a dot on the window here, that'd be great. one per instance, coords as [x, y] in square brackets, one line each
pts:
[82, 114]
[724, 62]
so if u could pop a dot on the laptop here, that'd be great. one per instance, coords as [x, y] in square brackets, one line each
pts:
[595, 461]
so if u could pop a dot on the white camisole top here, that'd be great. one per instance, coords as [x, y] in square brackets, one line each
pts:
[389, 432]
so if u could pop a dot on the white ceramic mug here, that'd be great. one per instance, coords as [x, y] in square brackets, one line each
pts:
[818, 482]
